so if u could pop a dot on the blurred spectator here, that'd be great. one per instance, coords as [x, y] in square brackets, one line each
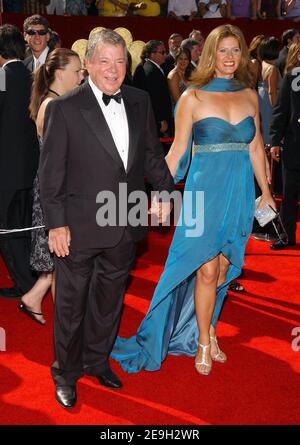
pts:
[76, 7]
[268, 9]
[291, 9]
[270, 83]
[194, 48]
[288, 37]
[54, 41]
[116, 8]
[19, 160]
[35, 6]
[285, 132]
[255, 59]
[178, 76]
[174, 43]
[156, 84]
[212, 9]
[56, 6]
[177, 9]
[36, 34]
[150, 8]
[238, 8]
[91, 7]
[13, 5]
[163, 7]
[196, 34]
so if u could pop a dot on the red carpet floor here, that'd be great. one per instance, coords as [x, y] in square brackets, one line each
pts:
[258, 385]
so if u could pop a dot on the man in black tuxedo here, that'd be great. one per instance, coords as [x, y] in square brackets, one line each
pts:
[155, 83]
[18, 161]
[285, 130]
[96, 139]
[37, 35]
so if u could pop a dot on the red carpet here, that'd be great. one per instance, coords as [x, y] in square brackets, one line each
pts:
[258, 385]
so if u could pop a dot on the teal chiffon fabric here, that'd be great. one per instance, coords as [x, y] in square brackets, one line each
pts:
[220, 168]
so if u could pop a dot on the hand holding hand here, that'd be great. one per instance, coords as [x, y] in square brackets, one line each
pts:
[275, 153]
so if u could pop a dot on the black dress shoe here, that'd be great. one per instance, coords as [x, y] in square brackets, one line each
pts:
[66, 395]
[109, 379]
[280, 245]
[10, 292]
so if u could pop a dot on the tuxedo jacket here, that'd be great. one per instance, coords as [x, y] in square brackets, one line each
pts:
[157, 86]
[19, 150]
[285, 126]
[79, 159]
[29, 63]
[169, 64]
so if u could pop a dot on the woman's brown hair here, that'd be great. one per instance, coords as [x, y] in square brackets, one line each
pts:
[293, 58]
[44, 76]
[205, 71]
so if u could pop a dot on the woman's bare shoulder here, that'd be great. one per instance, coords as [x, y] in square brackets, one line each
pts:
[192, 94]
[41, 115]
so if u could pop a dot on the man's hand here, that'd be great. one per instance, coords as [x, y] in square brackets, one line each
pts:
[59, 241]
[163, 126]
[161, 210]
[275, 153]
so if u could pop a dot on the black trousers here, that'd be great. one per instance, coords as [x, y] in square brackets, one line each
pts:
[289, 206]
[90, 286]
[15, 213]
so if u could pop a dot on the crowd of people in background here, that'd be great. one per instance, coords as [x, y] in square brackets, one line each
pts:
[174, 9]
[38, 71]
[165, 73]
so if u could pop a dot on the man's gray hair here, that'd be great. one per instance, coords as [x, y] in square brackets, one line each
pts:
[105, 36]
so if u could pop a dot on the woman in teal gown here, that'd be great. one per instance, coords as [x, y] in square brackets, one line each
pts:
[220, 111]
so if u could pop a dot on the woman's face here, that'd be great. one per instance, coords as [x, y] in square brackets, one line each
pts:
[182, 62]
[228, 57]
[71, 76]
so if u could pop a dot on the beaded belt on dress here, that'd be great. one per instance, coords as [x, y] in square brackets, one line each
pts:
[230, 146]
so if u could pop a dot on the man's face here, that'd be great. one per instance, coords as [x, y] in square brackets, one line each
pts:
[36, 41]
[107, 67]
[159, 55]
[296, 38]
[174, 44]
[195, 53]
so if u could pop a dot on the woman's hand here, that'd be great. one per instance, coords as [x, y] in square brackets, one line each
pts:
[266, 199]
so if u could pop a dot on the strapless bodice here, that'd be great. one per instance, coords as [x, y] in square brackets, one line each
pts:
[215, 130]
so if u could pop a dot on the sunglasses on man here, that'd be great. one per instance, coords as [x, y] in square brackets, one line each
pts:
[34, 32]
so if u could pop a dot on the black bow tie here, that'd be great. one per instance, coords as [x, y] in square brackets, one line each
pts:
[117, 97]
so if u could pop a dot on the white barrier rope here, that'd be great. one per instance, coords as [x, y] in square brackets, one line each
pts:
[5, 231]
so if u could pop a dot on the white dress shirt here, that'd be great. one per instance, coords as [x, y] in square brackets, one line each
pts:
[182, 7]
[41, 59]
[116, 118]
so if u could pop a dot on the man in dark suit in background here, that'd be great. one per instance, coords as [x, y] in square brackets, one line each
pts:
[174, 43]
[288, 37]
[37, 35]
[285, 131]
[96, 139]
[155, 83]
[18, 161]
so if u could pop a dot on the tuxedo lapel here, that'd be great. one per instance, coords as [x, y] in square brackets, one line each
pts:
[92, 114]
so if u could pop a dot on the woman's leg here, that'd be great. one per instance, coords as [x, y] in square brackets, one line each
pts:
[205, 297]
[33, 298]
[215, 351]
